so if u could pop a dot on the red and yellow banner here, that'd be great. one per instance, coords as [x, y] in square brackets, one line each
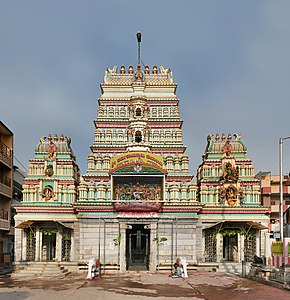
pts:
[136, 158]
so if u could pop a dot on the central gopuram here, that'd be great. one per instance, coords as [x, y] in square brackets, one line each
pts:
[138, 185]
[137, 208]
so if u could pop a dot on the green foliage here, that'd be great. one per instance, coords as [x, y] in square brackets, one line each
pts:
[66, 236]
[160, 240]
[229, 232]
[49, 231]
[248, 233]
[117, 241]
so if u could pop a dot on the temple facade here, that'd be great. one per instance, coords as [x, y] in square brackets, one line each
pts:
[138, 206]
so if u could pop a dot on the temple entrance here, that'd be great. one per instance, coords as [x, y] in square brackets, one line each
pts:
[137, 247]
[48, 246]
[230, 248]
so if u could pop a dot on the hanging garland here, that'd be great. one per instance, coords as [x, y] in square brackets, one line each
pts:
[49, 231]
[229, 232]
[248, 233]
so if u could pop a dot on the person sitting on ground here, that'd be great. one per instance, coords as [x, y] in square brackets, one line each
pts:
[178, 269]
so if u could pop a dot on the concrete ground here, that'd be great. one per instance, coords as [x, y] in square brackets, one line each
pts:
[139, 285]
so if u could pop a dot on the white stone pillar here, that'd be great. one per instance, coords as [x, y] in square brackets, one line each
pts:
[219, 247]
[18, 243]
[58, 246]
[123, 227]
[153, 247]
[38, 244]
[242, 247]
[72, 249]
[258, 243]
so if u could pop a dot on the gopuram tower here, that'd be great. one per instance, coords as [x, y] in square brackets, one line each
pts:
[138, 129]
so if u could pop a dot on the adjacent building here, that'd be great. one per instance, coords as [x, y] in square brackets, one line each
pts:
[137, 206]
[270, 196]
[6, 190]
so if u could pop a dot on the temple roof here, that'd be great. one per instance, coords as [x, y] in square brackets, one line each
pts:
[157, 77]
[49, 145]
[225, 145]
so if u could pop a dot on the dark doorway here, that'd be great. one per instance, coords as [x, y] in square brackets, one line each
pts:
[138, 136]
[48, 246]
[230, 247]
[137, 247]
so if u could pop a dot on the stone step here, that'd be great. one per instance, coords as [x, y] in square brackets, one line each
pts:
[42, 269]
[230, 268]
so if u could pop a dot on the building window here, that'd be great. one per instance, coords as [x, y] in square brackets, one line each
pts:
[138, 136]
[138, 112]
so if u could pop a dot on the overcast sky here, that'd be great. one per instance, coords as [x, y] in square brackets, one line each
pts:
[230, 59]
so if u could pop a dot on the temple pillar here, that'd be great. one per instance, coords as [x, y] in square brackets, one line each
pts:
[58, 246]
[123, 227]
[38, 244]
[153, 247]
[241, 247]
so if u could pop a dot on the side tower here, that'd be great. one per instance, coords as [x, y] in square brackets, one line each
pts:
[232, 216]
[44, 224]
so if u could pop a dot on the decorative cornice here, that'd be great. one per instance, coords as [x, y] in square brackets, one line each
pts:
[235, 210]
[44, 209]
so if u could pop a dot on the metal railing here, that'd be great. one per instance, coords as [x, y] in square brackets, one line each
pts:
[6, 154]
[5, 180]
[4, 214]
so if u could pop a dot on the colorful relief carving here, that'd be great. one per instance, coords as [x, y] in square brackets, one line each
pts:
[231, 195]
[47, 193]
[139, 74]
[230, 173]
[49, 171]
[227, 148]
[138, 191]
[228, 194]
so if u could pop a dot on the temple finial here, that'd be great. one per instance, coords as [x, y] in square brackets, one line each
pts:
[139, 44]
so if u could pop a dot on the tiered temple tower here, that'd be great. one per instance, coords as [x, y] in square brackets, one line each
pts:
[139, 112]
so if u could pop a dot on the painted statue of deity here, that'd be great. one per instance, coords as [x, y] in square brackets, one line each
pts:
[230, 173]
[227, 148]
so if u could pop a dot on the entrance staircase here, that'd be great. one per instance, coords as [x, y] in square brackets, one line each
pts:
[230, 267]
[41, 269]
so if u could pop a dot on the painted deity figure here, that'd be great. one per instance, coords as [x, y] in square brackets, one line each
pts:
[52, 149]
[118, 192]
[131, 109]
[227, 148]
[145, 110]
[49, 171]
[47, 193]
[137, 192]
[230, 173]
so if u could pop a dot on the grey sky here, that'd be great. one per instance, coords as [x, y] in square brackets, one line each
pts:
[231, 60]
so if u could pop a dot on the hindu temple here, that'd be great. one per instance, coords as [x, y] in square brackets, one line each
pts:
[137, 205]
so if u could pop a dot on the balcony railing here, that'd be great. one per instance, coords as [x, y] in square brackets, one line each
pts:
[4, 214]
[5, 190]
[5, 180]
[6, 154]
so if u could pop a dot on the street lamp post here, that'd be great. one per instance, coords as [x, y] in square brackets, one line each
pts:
[281, 183]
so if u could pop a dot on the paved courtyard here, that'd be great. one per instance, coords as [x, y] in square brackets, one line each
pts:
[199, 285]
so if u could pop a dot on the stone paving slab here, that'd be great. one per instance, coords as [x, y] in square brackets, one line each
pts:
[141, 286]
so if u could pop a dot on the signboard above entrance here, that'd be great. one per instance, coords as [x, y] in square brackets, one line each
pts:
[137, 162]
